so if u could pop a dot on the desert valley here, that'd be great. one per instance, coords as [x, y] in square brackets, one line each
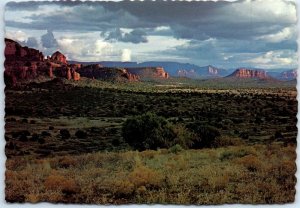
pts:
[123, 132]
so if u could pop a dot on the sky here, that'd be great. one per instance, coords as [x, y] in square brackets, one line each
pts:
[243, 33]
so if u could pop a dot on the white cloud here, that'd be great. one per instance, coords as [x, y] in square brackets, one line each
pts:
[18, 35]
[275, 59]
[86, 49]
[284, 34]
[126, 55]
[162, 28]
[267, 10]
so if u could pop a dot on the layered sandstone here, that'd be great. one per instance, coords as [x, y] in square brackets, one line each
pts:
[14, 51]
[149, 72]
[249, 73]
[23, 64]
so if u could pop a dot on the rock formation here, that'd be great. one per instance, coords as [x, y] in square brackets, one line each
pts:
[96, 71]
[23, 63]
[76, 76]
[58, 57]
[149, 72]
[14, 51]
[249, 73]
[26, 64]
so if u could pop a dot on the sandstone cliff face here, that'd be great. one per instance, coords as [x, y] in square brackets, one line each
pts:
[249, 73]
[14, 51]
[149, 72]
[23, 63]
[160, 72]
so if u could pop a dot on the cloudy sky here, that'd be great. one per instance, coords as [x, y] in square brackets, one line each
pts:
[252, 33]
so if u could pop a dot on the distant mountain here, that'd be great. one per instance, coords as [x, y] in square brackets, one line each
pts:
[172, 68]
[118, 64]
[285, 75]
[202, 72]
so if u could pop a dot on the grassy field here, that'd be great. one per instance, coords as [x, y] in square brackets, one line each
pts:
[236, 174]
[64, 143]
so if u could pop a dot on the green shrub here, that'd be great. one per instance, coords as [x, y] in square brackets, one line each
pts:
[224, 141]
[147, 131]
[175, 149]
[183, 136]
[205, 135]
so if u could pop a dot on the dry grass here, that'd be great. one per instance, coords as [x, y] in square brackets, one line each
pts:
[235, 174]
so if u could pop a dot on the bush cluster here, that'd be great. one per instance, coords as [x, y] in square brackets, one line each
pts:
[149, 131]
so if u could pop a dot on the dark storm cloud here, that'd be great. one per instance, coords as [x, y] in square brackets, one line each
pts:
[81, 18]
[221, 51]
[29, 6]
[191, 20]
[48, 40]
[33, 5]
[215, 30]
[32, 42]
[135, 36]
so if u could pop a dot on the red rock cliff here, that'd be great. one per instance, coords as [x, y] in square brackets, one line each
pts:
[14, 51]
[23, 63]
[58, 57]
[249, 73]
[149, 72]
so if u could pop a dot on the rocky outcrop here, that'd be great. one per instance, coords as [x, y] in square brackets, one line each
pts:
[50, 72]
[58, 58]
[161, 73]
[96, 71]
[249, 73]
[14, 51]
[23, 63]
[69, 75]
[149, 72]
[76, 76]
